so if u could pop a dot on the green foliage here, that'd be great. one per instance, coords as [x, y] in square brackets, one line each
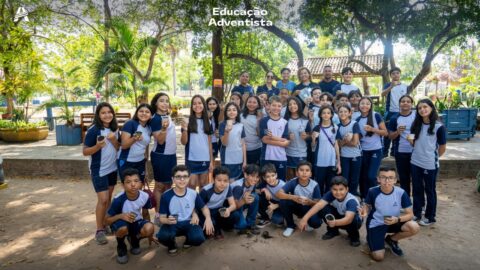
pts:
[21, 125]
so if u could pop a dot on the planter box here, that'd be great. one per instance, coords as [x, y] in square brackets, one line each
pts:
[34, 134]
[68, 135]
[460, 123]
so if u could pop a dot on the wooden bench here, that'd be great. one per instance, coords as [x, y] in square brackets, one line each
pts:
[86, 120]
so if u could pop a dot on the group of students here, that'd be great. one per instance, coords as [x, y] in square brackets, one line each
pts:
[281, 130]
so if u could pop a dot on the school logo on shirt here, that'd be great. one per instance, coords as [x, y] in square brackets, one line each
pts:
[187, 206]
[395, 204]
[374, 155]
[204, 164]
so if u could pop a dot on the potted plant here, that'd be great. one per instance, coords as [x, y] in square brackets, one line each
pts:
[21, 131]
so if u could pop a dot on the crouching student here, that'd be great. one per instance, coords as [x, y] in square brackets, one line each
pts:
[338, 208]
[125, 215]
[382, 205]
[246, 198]
[216, 195]
[269, 206]
[297, 196]
[178, 216]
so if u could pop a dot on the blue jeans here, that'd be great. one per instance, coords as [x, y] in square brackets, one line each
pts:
[386, 141]
[370, 164]
[424, 183]
[351, 171]
[277, 217]
[167, 234]
[289, 208]
[352, 228]
[323, 176]
[241, 222]
[402, 161]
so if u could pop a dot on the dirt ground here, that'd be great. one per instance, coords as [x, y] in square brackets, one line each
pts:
[47, 224]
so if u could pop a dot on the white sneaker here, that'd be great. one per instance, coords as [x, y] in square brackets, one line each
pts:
[288, 232]
[308, 228]
[425, 222]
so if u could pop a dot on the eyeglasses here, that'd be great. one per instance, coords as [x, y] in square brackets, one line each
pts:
[269, 77]
[180, 177]
[390, 179]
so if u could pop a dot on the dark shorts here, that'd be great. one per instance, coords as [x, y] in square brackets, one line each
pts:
[376, 235]
[133, 228]
[140, 166]
[236, 170]
[215, 148]
[101, 183]
[198, 167]
[162, 166]
[292, 162]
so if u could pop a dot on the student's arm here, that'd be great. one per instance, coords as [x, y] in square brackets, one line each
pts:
[161, 136]
[314, 210]
[381, 130]
[337, 157]
[208, 225]
[109, 220]
[128, 140]
[244, 152]
[224, 133]
[388, 89]
[347, 219]
[282, 195]
[442, 140]
[231, 206]
[393, 130]
[159, 131]
[91, 145]
[88, 151]
[184, 136]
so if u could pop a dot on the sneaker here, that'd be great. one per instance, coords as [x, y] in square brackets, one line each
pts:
[108, 230]
[263, 223]
[134, 244]
[394, 246]
[254, 230]
[329, 235]
[219, 235]
[101, 237]
[415, 218]
[135, 250]
[173, 250]
[425, 222]
[355, 243]
[308, 228]
[186, 246]
[288, 232]
[122, 257]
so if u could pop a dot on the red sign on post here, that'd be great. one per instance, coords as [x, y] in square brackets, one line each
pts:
[217, 83]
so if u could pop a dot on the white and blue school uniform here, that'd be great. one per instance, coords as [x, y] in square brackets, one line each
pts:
[305, 91]
[122, 204]
[252, 141]
[356, 114]
[297, 149]
[392, 108]
[238, 190]
[350, 156]
[383, 204]
[316, 119]
[276, 155]
[325, 156]
[402, 148]
[183, 206]
[215, 139]
[163, 156]
[345, 88]
[289, 85]
[197, 150]
[311, 191]
[232, 153]
[339, 209]
[371, 153]
[425, 164]
[283, 111]
[134, 157]
[214, 202]
[277, 216]
[102, 164]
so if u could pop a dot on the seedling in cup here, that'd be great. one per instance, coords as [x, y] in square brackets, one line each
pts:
[137, 134]
[165, 120]
[100, 138]
[329, 217]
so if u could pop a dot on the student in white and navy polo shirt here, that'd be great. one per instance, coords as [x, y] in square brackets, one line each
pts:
[346, 86]
[269, 202]
[251, 115]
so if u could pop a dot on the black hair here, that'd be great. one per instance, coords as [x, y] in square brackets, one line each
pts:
[285, 69]
[270, 71]
[216, 112]
[98, 122]
[129, 172]
[387, 168]
[251, 169]
[143, 105]
[221, 170]
[406, 96]
[288, 114]
[153, 102]
[329, 96]
[370, 114]
[225, 117]
[268, 168]
[192, 121]
[350, 95]
[346, 106]
[315, 88]
[341, 95]
[395, 69]
[239, 96]
[347, 69]
[325, 107]
[243, 72]
[180, 168]
[418, 122]
[245, 111]
[339, 180]
[304, 163]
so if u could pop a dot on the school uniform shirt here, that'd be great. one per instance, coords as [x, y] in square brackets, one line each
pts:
[274, 189]
[172, 204]
[250, 124]
[215, 200]
[311, 190]
[385, 204]
[279, 128]
[356, 114]
[373, 142]
[232, 153]
[283, 111]
[169, 147]
[288, 85]
[239, 188]
[325, 147]
[122, 204]
[297, 146]
[136, 152]
[243, 89]
[393, 97]
[425, 150]
[197, 147]
[328, 86]
[349, 151]
[316, 119]
[401, 144]
[306, 90]
[348, 204]
[103, 162]
[345, 88]
[274, 91]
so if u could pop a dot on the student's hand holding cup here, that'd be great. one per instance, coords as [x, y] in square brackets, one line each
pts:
[248, 197]
[291, 136]
[401, 128]
[229, 125]
[172, 219]
[111, 136]
[411, 138]
[314, 136]
[184, 123]
[367, 128]
[390, 220]
[310, 115]
[362, 210]
[101, 141]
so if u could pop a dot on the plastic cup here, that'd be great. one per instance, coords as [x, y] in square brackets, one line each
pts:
[222, 211]
[165, 120]
[137, 133]
[100, 138]
[175, 216]
[329, 217]
[411, 136]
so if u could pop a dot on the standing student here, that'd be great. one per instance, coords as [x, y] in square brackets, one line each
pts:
[348, 137]
[232, 135]
[398, 131]
[327, 152]
[327, 84]
[135, 140]
[298, 129]
[286, 82]
[244, 89]
[246, 198]
[164, 151]
[284, 95]
[274, 134]
[347, 85]
[269, 206]
[214, 116]
[429, 143]
[250, 118]
[237, 99]
[354, 99]
[264, 103]
[268, 86]
[197, 138]
[101, 145]
[304, 88]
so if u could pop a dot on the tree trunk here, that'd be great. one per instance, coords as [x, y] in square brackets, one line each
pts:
[106, 43]
[174, 73]
[217, 64]
[366, 87]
